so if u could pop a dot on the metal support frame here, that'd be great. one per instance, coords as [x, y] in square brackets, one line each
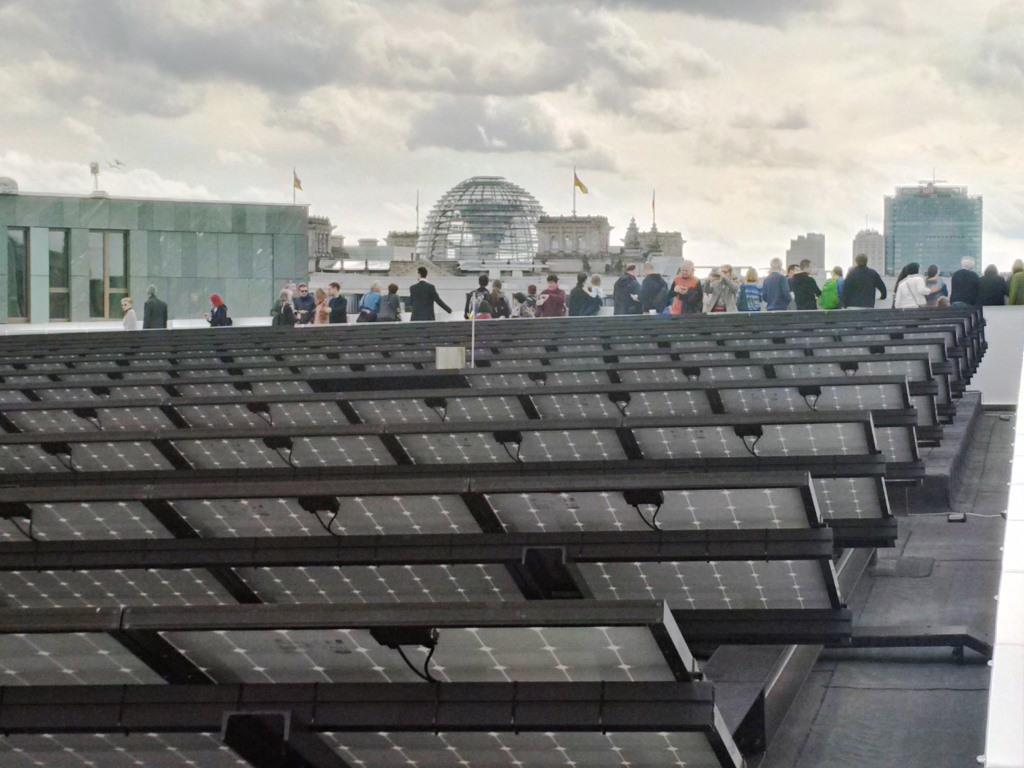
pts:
[373, 707]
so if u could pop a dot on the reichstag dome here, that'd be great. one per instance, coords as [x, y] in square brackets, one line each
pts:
[484, 218]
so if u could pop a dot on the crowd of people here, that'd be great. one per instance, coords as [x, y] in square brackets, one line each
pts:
[796, 288]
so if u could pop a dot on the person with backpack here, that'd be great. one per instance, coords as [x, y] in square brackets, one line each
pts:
[218, 316]
[390, 306]
[499, 304]
[831, 291]
[370, 305]
[626, 293]
[653, 291]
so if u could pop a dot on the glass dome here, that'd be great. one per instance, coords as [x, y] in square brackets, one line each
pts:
[485, 218]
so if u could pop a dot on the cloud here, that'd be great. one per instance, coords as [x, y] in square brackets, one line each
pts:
[790, 119]
[748, 11]
[469, 123]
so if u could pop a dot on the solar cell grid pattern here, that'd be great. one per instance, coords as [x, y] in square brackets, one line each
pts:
[137, 750]
[547, 750]
[494, 655]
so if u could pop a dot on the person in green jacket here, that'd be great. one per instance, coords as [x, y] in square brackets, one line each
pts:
[1017, 284]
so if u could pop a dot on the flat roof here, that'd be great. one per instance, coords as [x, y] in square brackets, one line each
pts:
[92, 196]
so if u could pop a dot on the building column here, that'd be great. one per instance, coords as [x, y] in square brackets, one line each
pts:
[39, 275]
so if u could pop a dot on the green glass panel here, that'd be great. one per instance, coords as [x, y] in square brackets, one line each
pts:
[116, 261]
[95, 298]
[60, 306]
[17, 273]
[60, 263]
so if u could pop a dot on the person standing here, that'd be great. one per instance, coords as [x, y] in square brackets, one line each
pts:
[653, 291]
[1016, 284]
[626, 293]
[390, 306]
[370, 305]
[500, 307]
[965, 284]
[218, 316]
[687, 294]
[283, 313]
[130, 320]
[910, 291]
[551, 302]
[861, 284]
[832, 290]
[720, 290]
[936, 286]
[805, 288]
[322, 312]
[337, 303]
[305, 306]
[749, 297]
[474, 297]
[775, 290]
[154, 311]
[581, 302]
[423, 296]
[992, 288]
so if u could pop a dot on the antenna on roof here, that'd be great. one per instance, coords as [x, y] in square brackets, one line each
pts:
[94, 169]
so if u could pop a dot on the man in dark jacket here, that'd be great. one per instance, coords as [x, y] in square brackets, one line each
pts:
[775, 291]
[653, 291]
[423, 296]
[305, 306]
[475, 297]
[805, 288]
[627, 293]
[337, 303]
[964, 284]
[860, 285]
[154, 313]
[582, 303]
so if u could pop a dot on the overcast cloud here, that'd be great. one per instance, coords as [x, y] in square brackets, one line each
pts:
[755, 121]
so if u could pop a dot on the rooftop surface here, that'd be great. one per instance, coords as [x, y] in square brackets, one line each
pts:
[913, 707]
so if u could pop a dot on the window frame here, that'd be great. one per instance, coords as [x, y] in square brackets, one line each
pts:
[108, 292]
[26, 282]
[59, 290]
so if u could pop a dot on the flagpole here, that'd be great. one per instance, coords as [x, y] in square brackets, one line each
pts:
[574, 191]
[293, 186]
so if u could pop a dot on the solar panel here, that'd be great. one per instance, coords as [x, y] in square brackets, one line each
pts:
[118, 750]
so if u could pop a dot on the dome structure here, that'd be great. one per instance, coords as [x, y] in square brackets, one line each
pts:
[484, 218]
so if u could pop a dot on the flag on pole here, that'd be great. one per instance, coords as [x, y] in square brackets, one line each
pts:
[296, 181]
[579, 184]
[654, 215]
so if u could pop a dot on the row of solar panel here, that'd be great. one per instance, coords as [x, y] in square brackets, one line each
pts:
[70, 516]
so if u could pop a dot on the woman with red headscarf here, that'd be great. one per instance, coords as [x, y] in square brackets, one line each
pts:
[218, 316]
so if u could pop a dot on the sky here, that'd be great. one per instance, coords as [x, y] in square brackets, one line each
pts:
[755, 120]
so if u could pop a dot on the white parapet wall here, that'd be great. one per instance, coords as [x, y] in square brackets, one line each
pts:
[1004, 735]
[998, 377]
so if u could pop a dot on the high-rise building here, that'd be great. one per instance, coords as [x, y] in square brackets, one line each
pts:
[931, 224]
[871, 243]
[811, 247]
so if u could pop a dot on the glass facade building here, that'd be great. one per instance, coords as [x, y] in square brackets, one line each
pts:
[931, 224]
[485, 218]
[76, 257]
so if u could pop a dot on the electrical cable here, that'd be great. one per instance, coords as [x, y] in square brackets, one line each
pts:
[425, 674]
[517, 458]
[653, 522]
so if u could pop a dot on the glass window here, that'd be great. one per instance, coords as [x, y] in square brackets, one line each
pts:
[60, 275]
[17, 274]
[108, 273]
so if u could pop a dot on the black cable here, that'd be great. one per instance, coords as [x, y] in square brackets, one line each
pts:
[653, 522]
[517, 458]
[69, 464]
[752, 446]
[441, 412]
[425, 674]
[288, 458]
[29, 534]
[328, 526]
[812, 401]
